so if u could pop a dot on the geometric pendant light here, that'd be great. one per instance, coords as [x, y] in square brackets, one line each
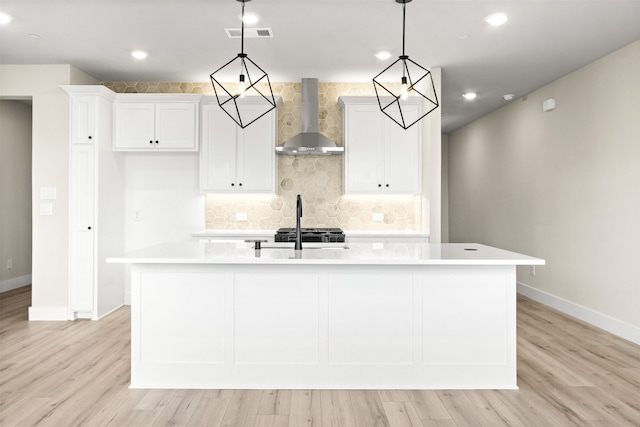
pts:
[402, 79]
[250, 77]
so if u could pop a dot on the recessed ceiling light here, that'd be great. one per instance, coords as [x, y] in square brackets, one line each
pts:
[139, 54]
[383, 55]
[250, 19]
[34, 36]
[496, 19]
[469, 96]
[4, 18]
[464, 37]
[508, 96]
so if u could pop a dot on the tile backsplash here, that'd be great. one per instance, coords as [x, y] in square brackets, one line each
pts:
[317, 178]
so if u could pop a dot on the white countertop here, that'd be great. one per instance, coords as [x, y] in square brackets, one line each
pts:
[268, 234]
[327, 253]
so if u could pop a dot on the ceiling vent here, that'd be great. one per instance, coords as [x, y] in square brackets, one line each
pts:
[249, 33]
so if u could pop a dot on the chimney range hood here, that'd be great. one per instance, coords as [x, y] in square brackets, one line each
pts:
[309, 141]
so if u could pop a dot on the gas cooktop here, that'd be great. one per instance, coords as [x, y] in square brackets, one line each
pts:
[323, 235]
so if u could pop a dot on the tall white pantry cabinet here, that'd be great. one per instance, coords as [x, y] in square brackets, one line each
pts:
[96, 197]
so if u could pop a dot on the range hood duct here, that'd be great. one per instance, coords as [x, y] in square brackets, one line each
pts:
[309, 141]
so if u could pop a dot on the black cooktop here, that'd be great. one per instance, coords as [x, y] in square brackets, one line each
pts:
[323, 235]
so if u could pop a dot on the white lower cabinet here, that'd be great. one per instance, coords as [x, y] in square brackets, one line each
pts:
[236, 160]
[82, 220]
[96, 205]
[380, 156]
[322, 326]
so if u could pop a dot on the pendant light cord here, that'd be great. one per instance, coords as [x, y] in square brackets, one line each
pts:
[242, 31]
[403, 25]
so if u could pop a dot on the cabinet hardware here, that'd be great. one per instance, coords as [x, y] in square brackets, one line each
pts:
[88, 228]
[387, 185]
[89, 136]
[232, 184]
[150, 142]
[379, 185]
[240, 184]
[156, 142]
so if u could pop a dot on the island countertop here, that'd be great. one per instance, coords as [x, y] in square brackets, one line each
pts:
[333, 316]
[326, 253]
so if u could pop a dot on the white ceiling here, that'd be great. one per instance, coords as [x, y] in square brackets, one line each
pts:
[328, 39]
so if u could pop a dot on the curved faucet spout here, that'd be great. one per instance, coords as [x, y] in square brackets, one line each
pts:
[298, 246]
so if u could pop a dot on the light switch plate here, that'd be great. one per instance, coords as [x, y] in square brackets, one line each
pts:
[378, 217]
[241, 216]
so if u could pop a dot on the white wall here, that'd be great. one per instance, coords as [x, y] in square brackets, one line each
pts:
[564, 186]
[432, 165]
[445, 189]
[50, 166]
[15, 194]
[163, 202]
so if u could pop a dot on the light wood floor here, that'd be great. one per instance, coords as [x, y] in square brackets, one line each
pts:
[77, 374]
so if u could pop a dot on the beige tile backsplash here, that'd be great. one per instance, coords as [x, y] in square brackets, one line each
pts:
[317, 178]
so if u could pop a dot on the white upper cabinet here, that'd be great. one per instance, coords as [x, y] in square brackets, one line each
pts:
[84, 119]
[149, 122]
[380, 156]
[233, 159]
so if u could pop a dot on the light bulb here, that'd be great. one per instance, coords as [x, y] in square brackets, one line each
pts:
[241, 87]
[404, 93]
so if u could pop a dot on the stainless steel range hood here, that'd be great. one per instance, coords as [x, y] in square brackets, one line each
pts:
[309, 141]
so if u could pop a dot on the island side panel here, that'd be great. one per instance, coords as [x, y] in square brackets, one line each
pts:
[349, 327]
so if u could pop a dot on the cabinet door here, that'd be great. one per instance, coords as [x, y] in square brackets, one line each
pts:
[82, 251]
[175, 126]
[364, 171]
[134, 126]
[256, 156]
[403, 174]
[83, 119]
[218, 151]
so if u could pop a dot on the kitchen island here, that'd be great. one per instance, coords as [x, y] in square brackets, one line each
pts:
[350, 316]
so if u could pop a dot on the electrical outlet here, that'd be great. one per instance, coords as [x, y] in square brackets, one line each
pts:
[533, 270]
[9, 263]
[378, 217]
[241, 216]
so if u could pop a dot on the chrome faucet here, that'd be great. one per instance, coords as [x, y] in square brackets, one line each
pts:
[298, 246]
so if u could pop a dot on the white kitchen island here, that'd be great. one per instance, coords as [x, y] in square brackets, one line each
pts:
[373, 316]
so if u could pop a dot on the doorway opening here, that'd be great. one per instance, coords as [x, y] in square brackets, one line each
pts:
[16, 123]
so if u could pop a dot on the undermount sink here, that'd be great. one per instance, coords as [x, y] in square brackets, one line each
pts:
[305, 245]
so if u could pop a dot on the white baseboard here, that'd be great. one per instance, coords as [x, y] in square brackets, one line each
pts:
[15, 283]
[48, 313]
[108, 312]
[599, 320]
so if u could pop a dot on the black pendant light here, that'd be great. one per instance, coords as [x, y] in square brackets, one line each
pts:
[404, 78]
[249, 76]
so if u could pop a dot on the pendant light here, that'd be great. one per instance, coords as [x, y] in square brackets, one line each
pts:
[249, 77]
[402, 79]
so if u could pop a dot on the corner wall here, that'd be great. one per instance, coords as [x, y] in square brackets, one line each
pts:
[50, 166]
[564, 186]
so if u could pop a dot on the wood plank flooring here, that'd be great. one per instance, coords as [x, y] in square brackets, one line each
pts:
[77, 374]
